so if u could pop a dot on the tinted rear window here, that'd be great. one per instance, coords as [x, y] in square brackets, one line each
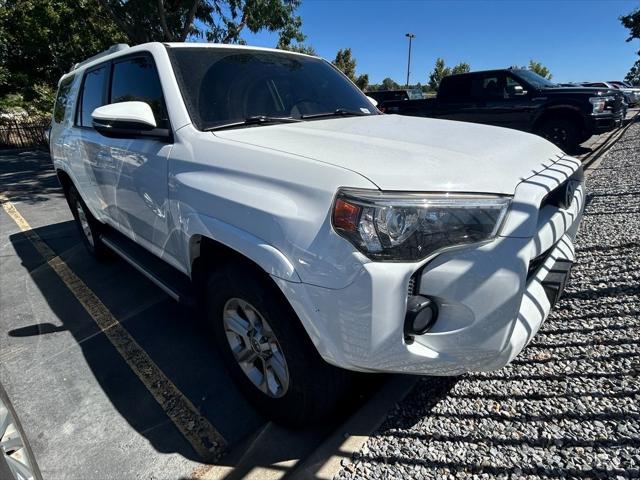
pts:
[456, 87]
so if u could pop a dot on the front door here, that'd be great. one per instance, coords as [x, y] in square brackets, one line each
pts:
[140, 164]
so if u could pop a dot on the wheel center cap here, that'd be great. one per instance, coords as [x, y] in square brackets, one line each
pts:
[255, 345]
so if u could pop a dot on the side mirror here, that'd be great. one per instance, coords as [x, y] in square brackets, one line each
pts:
[516, 90]
[373, 100]
[127, 120]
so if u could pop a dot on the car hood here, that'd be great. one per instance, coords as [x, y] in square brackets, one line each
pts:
[412, 154]
[575, 90]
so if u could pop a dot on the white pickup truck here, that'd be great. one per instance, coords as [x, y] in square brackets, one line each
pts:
[314, 231]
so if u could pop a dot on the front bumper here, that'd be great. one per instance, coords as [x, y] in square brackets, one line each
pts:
[605, 122]
[491, 303]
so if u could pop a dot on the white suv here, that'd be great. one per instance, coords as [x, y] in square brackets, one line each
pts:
[315, 231]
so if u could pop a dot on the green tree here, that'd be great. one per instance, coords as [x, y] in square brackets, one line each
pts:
[462, 67]
[389, 84]
[221, 21]
[632, 22]
[300, 48]
[540, 69]
[633, 77]
[41, 39]
[345, 62]
[439, 72]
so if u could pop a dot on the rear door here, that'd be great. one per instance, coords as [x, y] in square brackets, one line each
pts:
[455, 99]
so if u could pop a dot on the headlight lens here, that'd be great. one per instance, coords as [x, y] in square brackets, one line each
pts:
[410, 227]
[600, 103]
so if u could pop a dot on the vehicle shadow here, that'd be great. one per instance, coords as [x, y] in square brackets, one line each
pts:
[177, 340]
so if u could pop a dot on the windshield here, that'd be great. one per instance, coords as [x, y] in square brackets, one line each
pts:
[221, 86]
[534, 79]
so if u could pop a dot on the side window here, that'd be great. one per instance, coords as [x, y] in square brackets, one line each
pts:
[92, 94]
[63, 100]
[490, 87]
[136, 79]
[456, 87]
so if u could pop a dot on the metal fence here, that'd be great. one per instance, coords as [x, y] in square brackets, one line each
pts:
[24, 133]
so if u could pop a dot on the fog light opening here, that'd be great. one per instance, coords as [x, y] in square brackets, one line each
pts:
[422, 313]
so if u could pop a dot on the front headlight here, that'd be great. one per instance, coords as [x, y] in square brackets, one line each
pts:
[600, 103]
[411, 226]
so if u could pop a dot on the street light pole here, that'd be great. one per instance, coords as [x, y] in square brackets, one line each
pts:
[411, 36]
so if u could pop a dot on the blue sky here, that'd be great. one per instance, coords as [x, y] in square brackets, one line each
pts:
[579, 40]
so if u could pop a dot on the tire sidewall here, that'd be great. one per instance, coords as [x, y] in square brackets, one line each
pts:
[297, 349]
[571, 141]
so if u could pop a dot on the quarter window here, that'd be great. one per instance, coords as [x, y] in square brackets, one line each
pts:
[92, 94]
[62, 99]
[136, 79]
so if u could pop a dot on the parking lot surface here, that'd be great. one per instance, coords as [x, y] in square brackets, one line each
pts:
[112, 379]
[569, 405]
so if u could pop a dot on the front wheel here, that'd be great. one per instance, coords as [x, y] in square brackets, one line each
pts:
[560, 131]
[266, 349]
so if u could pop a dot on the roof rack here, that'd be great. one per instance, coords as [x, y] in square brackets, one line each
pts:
[112, 49]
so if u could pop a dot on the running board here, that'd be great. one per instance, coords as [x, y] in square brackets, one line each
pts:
[174, 283]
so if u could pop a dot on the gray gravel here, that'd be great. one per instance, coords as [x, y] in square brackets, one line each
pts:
[568, 406]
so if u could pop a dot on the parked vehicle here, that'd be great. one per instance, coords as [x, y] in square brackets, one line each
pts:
[17, 461]
[634, 92]
[522, 100]
[631, 96]
[316, 232]
[381, 96]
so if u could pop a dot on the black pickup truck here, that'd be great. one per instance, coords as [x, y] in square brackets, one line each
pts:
[523, 100]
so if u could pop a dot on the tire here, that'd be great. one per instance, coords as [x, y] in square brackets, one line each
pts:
[302, 387]
[16, 461]
[563, 132]
[90, 229]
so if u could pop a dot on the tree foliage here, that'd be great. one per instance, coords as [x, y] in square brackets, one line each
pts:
[633, 77]
[439, 72]
[41, 39]
[390, 84]
[300, 48]
[540, 69]
[345, 62]
[462, 67]
[632, 22]
[221, 21]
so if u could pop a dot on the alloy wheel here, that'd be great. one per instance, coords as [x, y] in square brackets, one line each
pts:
[255, 347]
[12, 446]
[84, 223]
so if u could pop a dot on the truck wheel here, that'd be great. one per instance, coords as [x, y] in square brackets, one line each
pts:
[88, 226]
[266, 349]
[560, 131]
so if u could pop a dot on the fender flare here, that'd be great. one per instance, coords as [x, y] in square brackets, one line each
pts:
[263, 254]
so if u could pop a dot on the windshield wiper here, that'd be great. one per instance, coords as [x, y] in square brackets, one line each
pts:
[340, 112]
[255, 120]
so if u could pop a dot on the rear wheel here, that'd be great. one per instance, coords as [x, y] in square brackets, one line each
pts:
[266, 349]
[89, 227]
[561, 131]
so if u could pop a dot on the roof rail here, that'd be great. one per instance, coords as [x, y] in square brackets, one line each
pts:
[112, 49]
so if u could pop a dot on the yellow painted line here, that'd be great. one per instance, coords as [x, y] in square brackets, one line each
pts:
[204, 438]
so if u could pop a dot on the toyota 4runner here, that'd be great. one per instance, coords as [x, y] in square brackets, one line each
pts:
[313, 231]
